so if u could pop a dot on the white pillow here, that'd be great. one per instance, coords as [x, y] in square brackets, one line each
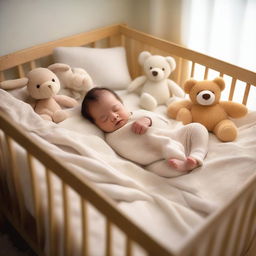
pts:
[107, 66]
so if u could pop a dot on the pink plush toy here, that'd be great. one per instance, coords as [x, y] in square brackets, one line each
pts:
[74, 81]
[43, 85]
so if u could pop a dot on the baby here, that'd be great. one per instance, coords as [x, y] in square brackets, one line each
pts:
[142, 136]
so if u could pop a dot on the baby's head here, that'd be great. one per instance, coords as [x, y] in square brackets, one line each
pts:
[104, 108]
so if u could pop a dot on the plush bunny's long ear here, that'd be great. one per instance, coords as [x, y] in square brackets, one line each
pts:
[14, 84]
[57, 67]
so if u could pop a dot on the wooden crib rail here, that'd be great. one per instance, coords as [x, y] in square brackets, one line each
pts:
[196, 57]
[84, 188]
[135, 41]
[30, 55]
[33, 53]
[240, 217]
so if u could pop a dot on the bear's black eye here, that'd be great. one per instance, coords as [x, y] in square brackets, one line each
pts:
[53, 80]
[38, 86]
[163, 69]
[150, 68]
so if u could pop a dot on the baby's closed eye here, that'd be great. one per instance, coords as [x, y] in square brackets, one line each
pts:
[116, 108]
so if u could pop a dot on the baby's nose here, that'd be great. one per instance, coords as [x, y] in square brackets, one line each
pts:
[114, 116]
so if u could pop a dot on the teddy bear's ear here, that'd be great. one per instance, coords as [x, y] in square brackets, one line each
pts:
[220, 82]
[143, 56]
[189, 84]
[14, 84]
[171, 61]
[57, 67]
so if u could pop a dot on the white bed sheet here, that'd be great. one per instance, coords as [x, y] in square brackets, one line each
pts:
[168, 208]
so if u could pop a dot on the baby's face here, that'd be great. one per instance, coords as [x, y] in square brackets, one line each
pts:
[109, 113]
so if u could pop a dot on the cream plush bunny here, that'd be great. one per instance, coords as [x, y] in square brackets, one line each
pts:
[156, 88]
[75, 81]
[43, 86]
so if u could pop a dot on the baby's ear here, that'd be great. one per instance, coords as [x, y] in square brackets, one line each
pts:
[14, 84]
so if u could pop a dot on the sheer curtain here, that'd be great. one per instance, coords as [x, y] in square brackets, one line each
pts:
[224, 29]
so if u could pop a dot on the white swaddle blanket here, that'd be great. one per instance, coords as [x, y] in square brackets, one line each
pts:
[145, 148]
[159, 143]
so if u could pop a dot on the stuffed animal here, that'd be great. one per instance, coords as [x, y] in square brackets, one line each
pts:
[43, 85]
[156, 88]
[206, 108]
[75, 82]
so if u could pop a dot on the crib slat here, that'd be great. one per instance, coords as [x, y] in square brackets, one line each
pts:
[192, 73]
[85, 244]
[21, 71]
[114, 40]
[232, 89]
[32, 64]
[179, 68]
[211, 245]
[36, 199]
[2, 76]
[240, 227]
[108, 251]
[15, 179]
[122, 43]
[67, 237]
[249, 229]
[248, 221]
[128, 247]
[206, 73]
[51, 221]
[131, 58]
[227, 235]
[221, 74]
[246, 93]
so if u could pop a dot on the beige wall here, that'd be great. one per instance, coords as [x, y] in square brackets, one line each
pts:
[24, 23]
[161, 18]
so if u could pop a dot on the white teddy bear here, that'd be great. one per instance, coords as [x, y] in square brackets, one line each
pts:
[75, 82]
[156, 88]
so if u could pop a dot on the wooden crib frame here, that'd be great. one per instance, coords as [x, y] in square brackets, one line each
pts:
[240, 210]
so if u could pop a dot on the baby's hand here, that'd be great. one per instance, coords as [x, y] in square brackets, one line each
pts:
[141, 125]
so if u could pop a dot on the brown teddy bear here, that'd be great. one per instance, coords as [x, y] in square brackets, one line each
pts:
[206, 108]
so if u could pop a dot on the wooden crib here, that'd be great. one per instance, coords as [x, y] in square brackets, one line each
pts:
[237, 216]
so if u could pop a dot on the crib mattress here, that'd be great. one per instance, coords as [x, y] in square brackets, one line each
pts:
[169, 208]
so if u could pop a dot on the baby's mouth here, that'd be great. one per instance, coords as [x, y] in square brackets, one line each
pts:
[118, 122]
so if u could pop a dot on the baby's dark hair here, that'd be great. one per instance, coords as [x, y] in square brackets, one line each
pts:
[93, 95]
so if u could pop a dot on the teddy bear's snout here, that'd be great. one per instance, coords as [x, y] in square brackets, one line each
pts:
[206, 96]
[154, 73]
